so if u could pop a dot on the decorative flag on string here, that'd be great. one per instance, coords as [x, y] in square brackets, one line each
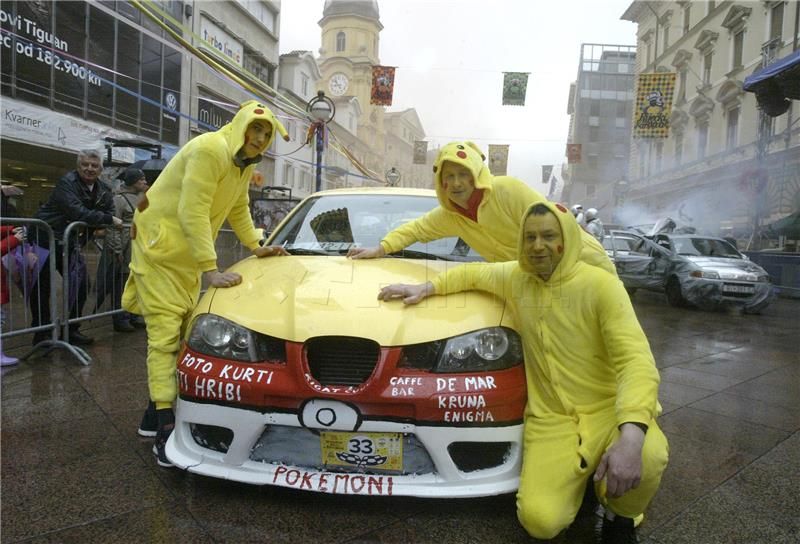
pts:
[653, 105]
[574, 153]
[382, 85]
[547, 171]
[498, 159]
[420, 152]
[515, 85]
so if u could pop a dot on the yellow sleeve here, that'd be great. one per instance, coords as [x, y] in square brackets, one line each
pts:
[242, 223]
[494, 278]
[594, 254]
[204, 170]
[629, 354]
[437, 223]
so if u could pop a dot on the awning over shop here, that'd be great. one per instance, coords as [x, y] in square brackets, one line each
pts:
[776, 83]
[788, 226]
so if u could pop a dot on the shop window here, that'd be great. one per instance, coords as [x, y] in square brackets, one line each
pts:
[70, 76]
[150, 122]
[126, 112]
[32, 74]
[101, 52]
[170, 123]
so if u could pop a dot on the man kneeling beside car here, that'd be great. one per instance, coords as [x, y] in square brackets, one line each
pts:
[592, 381]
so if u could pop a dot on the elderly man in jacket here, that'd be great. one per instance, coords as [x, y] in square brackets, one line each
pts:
[78, 196]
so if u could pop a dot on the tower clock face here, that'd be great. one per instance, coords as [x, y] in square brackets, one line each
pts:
[338, 84]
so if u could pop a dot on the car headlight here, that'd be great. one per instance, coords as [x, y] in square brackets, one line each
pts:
[707, 274]
[219, 337]
[764, 278]
[494, 348]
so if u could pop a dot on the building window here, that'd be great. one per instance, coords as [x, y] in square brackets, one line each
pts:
[687, 18]
[678, 148]
[340, 43]
[594, 108]
[702, 139]
[732, 132]
[659, 156]
[642, 159]
[304, 84]
[776, 22]
[707, 68]
[666, 37]
[710, 6]
[647, 58]
[594, 134]
[738, 44]
[682, 85]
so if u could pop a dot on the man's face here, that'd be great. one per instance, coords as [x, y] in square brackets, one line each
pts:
[140, 186]
[457, 183]
[256, 138]
[89, 168]
[543, 244]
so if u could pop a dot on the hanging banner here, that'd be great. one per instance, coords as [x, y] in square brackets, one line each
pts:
[382, 85]
[420, 152]
[653, 105]
[515, 85]
[498, 159]
[547, 171]
[573, 153]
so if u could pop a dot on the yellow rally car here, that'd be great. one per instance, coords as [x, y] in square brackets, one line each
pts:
[300, 377]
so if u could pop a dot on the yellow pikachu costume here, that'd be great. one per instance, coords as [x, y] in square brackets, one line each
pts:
[588, 368]
[174, 230]
[494, 235]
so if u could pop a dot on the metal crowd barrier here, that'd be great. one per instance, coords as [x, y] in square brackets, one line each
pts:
[23, 272]
[91, 283]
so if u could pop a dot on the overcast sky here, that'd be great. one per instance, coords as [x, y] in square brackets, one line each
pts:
[450, 56]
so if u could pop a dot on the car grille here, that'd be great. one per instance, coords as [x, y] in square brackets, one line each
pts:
[341, 360]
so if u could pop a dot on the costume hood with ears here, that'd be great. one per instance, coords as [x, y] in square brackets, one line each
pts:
[250, 111]
[467, 154]
[571, 233]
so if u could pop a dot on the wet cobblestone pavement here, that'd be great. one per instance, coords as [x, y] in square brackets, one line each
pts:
[74, 470]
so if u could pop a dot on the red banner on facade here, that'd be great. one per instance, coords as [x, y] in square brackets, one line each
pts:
[382, 85]
[574, 153]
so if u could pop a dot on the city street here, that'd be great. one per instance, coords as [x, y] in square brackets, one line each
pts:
[74, 470]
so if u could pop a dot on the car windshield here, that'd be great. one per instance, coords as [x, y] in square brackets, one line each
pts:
[332, 224]
[705, 247]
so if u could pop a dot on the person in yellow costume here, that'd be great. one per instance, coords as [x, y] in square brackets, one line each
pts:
[172, 247]
[482, 209]
[591, 378]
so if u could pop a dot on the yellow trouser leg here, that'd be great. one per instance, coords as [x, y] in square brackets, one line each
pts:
[558, 461]
[166, 303]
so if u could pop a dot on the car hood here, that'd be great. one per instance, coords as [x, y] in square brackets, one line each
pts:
[724, 264]
[299, 297]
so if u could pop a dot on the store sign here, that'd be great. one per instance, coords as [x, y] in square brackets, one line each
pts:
[220, 40]
[212, 114]
[29, 123]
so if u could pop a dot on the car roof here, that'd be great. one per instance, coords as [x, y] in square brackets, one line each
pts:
[397, 191]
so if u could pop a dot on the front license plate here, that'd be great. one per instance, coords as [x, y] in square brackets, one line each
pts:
[362, 450]
[747, 289]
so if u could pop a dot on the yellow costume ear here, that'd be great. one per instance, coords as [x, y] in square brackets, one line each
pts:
[278, 125]
[474, 146]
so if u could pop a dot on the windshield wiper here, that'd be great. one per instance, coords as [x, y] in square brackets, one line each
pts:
[306, 251]
[412, 254]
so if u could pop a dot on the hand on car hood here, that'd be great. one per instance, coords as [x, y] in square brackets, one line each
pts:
[296, 298]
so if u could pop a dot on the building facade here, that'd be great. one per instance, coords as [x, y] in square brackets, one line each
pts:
[713, 170]
[600, 108]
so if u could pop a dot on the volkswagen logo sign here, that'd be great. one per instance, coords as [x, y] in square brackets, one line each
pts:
[172, 101]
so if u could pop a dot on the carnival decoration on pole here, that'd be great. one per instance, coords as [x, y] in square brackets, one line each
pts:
[653, 105]
[515, 86]
[382, 85]
[498, 159]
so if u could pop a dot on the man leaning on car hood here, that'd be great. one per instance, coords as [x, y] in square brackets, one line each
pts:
[591, 378]
[172, 241]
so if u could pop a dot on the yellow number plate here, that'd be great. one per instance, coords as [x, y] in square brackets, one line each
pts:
[383, 451]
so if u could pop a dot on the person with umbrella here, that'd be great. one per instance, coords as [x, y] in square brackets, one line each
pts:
[172, 245]
[112, 270]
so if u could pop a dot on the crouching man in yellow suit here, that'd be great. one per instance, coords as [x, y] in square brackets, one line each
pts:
[592, 380]
[173, 234]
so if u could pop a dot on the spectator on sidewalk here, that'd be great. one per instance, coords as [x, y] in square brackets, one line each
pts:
[78, 196]
[10, 238]
[592, 381]
[112, 270]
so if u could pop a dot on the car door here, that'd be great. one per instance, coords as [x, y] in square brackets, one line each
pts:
[632, 258]
[660, 253]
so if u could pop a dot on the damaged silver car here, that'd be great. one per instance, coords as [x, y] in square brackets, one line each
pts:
[690, 269]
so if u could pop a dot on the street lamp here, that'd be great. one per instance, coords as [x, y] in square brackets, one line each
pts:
[393, 176]
[322, 110]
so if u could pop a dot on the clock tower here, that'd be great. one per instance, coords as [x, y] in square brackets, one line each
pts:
[350, 47]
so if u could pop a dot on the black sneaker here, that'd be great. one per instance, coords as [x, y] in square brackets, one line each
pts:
[149, 424]
[138, 322]
[166, 423]
[41, 336]
[78, 339]
[618, 531]
[123, 326]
